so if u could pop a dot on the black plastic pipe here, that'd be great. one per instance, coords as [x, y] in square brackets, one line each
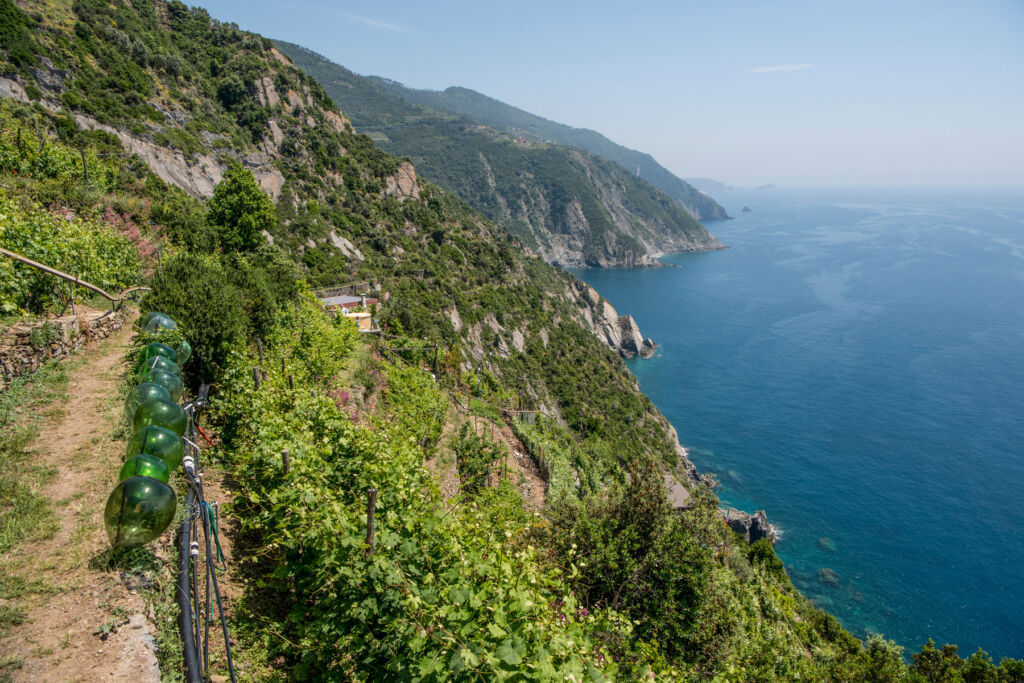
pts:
[184, 595]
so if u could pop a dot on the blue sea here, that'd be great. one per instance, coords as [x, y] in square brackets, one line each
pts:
[854, 365]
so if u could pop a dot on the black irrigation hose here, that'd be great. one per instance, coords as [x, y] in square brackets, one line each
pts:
[194, 622]
[184, 589]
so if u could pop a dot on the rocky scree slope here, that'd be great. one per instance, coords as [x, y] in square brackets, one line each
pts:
[188, 97]
[572, 207]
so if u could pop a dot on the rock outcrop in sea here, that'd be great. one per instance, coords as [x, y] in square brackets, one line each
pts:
[620, 332]
[753, 527]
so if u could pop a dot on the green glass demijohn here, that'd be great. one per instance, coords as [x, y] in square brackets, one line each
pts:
[138, 511]
[158, 349]
[157, 411]
[167, 380]
[142, 393]
[146, 317]
[184, 352]
[159, 442]
[145, 465]
[144, 365]
[159, 322]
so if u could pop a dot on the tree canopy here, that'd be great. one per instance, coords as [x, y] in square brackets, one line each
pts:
[240, 210]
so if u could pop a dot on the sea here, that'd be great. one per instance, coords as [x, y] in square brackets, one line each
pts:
[853, 364]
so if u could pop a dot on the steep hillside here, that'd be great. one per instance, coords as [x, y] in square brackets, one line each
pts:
[204, 140]
[571, 207]
[346, 211]
[515, 121]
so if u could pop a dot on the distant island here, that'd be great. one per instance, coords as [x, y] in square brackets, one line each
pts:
[769, 186]
[746, 209]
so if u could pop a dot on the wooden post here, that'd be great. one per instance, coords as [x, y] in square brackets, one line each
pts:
[256, 378]
[371, 512]
[282, 365]
[85, 165]
[285, 460]
[71, 293]
[259, 348]
[291, 382]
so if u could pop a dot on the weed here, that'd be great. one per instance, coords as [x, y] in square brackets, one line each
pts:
[16, 586]
[108, 627]
[23, 512]
[9, 664]
[44, 335]
[11, 616]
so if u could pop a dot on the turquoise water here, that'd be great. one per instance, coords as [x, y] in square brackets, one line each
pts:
[854, 364]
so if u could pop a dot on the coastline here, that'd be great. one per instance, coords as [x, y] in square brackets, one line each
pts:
[764, 372]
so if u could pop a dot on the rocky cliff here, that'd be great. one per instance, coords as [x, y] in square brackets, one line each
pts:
[753, 527]
[619, 332]
[609, 219]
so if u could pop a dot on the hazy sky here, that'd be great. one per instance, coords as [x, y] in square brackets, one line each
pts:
[747, 92]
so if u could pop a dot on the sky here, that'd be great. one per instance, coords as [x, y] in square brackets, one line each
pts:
[747, 92]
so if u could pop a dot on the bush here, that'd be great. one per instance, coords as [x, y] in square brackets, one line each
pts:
[762, 552]
[195, 292]
[185, 222]
[626, 550]
[474, 455]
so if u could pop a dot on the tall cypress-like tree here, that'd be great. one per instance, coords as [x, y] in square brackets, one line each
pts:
[240, 210]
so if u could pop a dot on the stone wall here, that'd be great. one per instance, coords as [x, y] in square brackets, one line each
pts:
[25, 346]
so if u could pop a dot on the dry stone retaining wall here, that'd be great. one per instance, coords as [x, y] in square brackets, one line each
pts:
[26, 346]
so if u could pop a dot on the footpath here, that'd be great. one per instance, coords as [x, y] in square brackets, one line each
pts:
[78, 618]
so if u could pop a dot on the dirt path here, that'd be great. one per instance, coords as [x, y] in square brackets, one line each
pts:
[442, 465]
[76, 597]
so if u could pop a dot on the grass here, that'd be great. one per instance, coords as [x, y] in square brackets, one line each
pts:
[10, 616]
[24, 513]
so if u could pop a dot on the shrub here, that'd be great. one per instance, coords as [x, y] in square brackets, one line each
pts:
[195, 292]
[474, 455]
[625, 549]
[761, 552]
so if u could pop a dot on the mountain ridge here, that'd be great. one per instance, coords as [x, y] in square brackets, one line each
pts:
[510, 118]
[570, 206]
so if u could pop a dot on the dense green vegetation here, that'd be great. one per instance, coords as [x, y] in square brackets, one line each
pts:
[607, 581]
[504, 117]
[89, 245]
[545, 194]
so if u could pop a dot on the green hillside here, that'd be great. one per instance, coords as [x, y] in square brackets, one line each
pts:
[515, 121]
[570, 206]
[205, 142]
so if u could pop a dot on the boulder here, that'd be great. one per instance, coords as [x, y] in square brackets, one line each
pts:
[753, 527]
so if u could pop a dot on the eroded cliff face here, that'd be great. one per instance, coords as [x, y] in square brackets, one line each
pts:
[619, 332]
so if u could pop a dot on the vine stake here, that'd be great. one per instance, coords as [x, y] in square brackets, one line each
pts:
[371, 511]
